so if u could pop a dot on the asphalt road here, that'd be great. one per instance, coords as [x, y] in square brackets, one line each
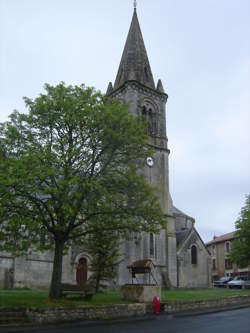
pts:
[237, 321]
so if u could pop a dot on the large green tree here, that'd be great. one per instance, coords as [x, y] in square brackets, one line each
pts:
[73, 158]
[240, 253]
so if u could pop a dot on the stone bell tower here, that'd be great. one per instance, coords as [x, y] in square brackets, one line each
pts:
[135, 84]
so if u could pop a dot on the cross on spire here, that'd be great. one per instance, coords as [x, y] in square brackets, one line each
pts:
[135, 4]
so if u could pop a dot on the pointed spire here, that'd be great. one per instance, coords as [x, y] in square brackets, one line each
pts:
[134, 62]
[131, 76]
[160, 86]
[110, 89]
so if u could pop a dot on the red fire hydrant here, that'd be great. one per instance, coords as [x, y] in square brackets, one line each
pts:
[156, 305]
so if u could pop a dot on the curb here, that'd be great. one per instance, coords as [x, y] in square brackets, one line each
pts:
[74, 324]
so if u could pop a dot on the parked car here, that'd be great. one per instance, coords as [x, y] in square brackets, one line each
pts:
[246, 284]
[239, 282]
[222, 282]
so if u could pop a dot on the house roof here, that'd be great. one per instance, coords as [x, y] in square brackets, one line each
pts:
[223, 238]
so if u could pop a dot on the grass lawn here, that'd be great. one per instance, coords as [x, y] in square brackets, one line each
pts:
[201, 294]
[39, 299]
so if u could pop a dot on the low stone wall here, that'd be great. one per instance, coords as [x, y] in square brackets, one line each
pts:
[48, 316]
[187, 306]
[63, 315]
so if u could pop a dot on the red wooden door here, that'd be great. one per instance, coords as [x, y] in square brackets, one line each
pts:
[82, 272]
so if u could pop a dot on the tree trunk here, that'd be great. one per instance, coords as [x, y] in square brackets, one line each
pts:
[97, 284]
[55, 285]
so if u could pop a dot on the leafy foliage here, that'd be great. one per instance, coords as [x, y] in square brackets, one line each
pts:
[104, 249]
[240, 253]
[70, 161]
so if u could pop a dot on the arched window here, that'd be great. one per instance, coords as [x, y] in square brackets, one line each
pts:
[149, 115]
[194, 255]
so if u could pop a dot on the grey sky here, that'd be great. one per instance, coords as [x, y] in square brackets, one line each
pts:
[199, 48]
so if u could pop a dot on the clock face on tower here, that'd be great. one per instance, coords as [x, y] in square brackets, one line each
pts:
[150, 161]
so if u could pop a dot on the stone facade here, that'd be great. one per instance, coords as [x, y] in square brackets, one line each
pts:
[7, 263]
[192, 275]
[193, 260]
[135, 85]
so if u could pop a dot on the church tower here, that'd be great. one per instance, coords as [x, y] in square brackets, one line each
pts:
[135, 85]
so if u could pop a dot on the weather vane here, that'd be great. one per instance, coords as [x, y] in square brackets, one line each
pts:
[135, 4]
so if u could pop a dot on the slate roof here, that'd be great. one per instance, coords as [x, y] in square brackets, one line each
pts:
[178, 212]
[181, 235]
[134, 64]
[223, 238]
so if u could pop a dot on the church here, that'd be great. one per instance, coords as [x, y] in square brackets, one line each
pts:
[179, 256]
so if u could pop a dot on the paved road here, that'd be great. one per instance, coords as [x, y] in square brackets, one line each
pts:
[237, 321]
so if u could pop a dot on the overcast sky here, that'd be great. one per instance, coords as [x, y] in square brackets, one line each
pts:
[199, 48]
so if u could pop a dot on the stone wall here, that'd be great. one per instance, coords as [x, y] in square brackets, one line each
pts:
[140, 293]
[59, 315]
[186, 306]
[33, 270]
[171, 251]
[63, 315]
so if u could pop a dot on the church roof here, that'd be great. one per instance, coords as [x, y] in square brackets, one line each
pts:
[134, 64]
[181, 235]
[178, 212]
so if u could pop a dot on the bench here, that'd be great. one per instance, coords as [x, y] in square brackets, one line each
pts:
[74, 289]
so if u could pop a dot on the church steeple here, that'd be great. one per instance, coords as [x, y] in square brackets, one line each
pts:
[134, 64]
